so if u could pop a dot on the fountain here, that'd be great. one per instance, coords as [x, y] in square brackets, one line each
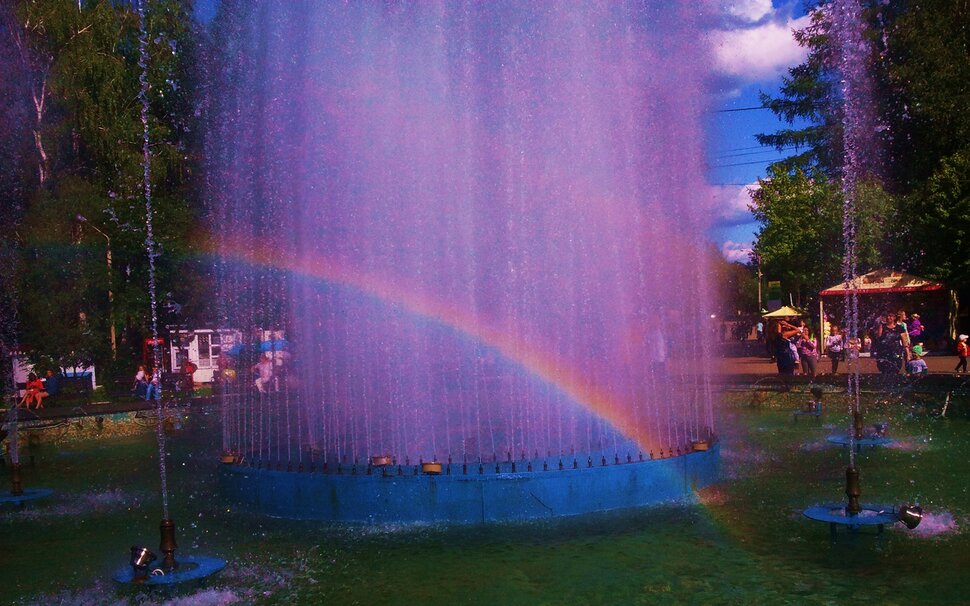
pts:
[463, 247]
[187, 568]
[858, 161]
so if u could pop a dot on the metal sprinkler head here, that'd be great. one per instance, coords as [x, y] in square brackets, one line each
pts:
[910, 515]
[141, 558]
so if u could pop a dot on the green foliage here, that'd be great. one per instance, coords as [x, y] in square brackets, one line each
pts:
[928, 63]
[806, 94]
[917, 218]
[939, 219]
[86, 61]
[737, 284]
[800, 241]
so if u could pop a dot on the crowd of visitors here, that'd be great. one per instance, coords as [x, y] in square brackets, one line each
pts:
[893, 340]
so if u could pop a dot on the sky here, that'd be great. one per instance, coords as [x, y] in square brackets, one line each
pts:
[753, 48]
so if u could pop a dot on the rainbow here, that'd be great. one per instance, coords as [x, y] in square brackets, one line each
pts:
[597, 401]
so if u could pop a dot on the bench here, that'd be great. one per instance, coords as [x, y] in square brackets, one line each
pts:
[71, 387]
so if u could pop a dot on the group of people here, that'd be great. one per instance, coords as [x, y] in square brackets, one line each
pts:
[37, 389]
[147, 384]
[892, 342]
[795, 346]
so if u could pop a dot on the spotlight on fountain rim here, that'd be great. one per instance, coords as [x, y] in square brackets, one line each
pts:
[910, 515]
[141, 558]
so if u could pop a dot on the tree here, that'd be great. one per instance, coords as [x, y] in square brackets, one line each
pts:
[928, 67]
[84, 64]
[939, 218]
[800, 239]
[806, 94]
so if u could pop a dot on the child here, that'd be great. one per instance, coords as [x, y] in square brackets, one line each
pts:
[962, 352]
[917, 365]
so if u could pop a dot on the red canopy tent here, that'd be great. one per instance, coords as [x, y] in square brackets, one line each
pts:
[884, 289]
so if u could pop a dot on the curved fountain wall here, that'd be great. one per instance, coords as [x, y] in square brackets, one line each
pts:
[459, 230]
[464, 494]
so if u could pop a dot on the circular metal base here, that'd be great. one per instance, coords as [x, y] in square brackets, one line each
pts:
[191, 568]
[30, 494]
[847, 440]
[835, 515]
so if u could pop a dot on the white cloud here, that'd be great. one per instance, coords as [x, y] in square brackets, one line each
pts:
[763, 52]
[751, 11]
[729, 203]
[737, 251]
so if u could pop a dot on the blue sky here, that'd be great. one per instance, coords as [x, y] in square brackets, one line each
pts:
[754, 48]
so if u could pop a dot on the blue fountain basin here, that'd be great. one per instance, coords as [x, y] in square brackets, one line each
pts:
[469, 498]
[29, 494]
[847, 440]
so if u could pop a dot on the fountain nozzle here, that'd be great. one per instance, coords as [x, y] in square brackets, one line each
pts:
[852, 491]
[16, 483]
[168, 545]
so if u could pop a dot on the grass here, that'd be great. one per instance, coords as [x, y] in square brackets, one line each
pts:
[745, 543]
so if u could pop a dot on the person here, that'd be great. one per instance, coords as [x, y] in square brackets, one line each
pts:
[892, 343]
[35, 392]
[853, 347]
[915, 327]
[188, 376]
[807, 352]
[786, 355]
[52, 383]
[835, 346]
[140, 385]
[264, 374]
[916, 364]
[153, 389]
[760, 330]
[901, 320]
[962, 352]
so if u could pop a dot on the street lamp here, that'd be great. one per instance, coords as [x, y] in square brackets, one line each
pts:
[111, 312]
[757, 259]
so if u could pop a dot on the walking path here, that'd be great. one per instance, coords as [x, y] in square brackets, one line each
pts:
[740, 364]
[748, 361]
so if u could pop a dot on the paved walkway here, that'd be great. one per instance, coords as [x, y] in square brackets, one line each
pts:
[746, 360]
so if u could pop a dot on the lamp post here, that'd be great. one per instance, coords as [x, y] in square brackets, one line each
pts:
[111, 312]
[757, 259]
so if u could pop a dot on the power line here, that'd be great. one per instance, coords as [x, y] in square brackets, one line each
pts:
[744, 163]
[739, 109]
[763, 151]
[741, 148]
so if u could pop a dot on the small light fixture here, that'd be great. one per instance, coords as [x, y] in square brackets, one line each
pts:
[431, 468]
[910, 515]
